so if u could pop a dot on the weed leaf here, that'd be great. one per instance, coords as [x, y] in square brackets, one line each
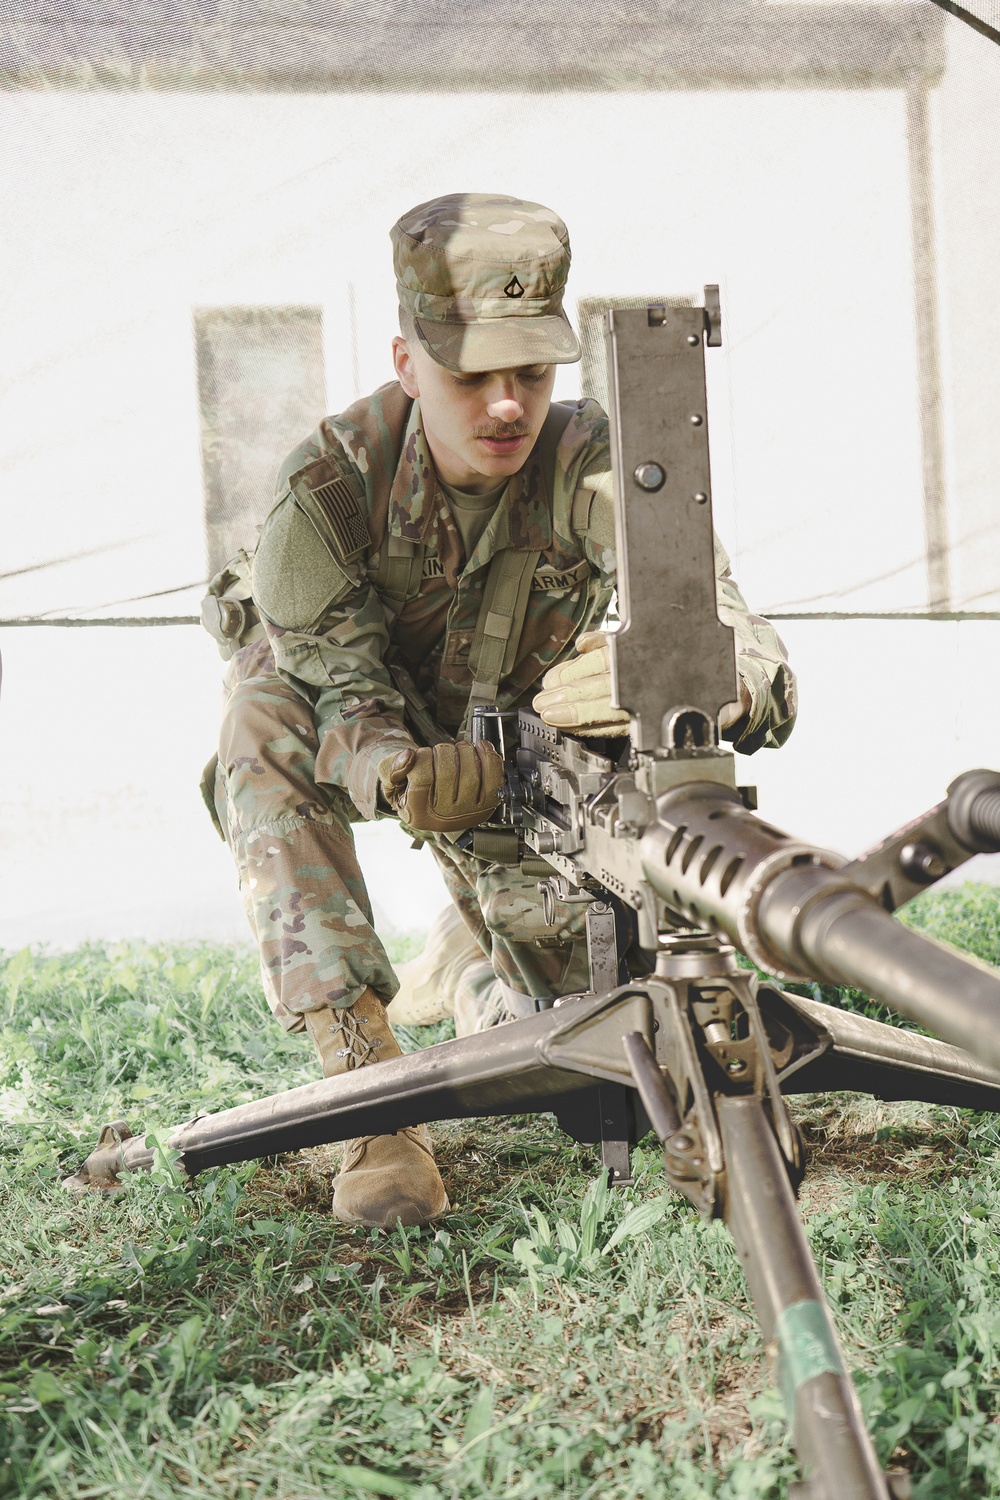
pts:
[638, 1220]
[371, 1483]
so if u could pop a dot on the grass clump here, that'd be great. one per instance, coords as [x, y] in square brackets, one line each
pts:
[549, 1338]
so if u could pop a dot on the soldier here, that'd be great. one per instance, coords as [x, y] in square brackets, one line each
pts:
[445, 542]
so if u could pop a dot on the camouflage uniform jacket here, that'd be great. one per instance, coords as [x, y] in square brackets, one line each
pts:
[314, 582]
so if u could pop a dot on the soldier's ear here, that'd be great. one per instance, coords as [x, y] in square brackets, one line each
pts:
[406, 366]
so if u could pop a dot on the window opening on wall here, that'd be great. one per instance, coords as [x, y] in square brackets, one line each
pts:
[261, 388]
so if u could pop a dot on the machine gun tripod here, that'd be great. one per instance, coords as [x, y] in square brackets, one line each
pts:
[676, 873]
[705, 1054]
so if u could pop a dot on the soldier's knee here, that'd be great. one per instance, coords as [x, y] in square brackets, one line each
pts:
[514, 913]
[267, 760]
[264, 718]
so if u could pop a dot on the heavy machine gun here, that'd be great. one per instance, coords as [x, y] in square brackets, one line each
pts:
[650, 836]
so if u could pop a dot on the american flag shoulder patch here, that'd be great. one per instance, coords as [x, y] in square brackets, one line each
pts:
[329, 499]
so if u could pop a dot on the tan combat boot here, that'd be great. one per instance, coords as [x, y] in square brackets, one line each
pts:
[382, 1178]
[451, 977]
[428, 982]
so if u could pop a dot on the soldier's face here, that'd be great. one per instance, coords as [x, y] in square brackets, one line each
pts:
[479, 428]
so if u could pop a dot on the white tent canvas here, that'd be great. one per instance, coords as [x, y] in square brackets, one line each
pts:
[852, 225]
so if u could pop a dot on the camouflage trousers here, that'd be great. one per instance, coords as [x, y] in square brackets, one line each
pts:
[301, 883]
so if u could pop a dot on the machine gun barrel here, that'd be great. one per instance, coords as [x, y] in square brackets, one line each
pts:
[851, 941]
[802, 913]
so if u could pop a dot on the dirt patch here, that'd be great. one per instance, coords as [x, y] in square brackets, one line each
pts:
[871, 1160]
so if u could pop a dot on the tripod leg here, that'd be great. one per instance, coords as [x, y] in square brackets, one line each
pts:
[617, 1131]
[827, 1428]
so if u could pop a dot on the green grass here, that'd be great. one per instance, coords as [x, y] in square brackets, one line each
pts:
[546, 1339]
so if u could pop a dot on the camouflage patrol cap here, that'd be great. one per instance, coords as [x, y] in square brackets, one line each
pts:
[482, 276]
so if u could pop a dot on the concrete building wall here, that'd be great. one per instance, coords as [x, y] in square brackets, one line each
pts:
[139, 208]
[967, 136]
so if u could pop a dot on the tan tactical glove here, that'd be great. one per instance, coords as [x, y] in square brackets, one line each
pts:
[576, 695]
[732, 713]
[443, 788]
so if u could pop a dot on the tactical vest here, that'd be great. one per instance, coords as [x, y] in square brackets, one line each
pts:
[395, 570]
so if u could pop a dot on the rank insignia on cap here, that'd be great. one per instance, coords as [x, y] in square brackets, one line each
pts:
[483, 277]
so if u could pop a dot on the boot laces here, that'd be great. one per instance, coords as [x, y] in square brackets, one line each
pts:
[354, 1149]
[358, 1048]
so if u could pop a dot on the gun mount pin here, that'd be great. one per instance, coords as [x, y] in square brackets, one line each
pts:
[650, 477]
[922, 862]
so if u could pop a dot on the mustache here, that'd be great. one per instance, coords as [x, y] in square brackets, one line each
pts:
[502, 430]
